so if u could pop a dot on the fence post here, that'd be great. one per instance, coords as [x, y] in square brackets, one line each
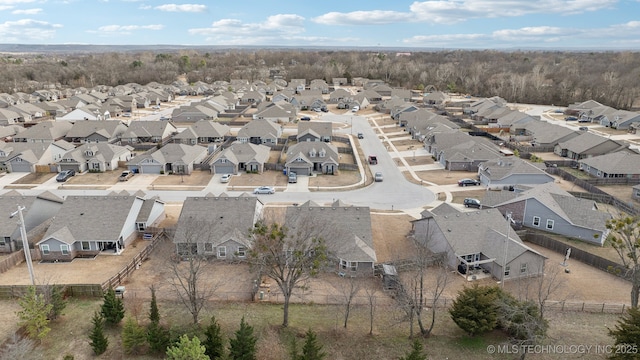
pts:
[602, 307]
[623, 308]
[562, 306]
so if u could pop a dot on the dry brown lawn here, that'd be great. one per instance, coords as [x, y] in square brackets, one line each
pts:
[270, 178]
[344, 178]
[622, 192]
[103, 178]
[419, 160]
[444, 177]
[390, 236]
[35, 178]
[196, 178]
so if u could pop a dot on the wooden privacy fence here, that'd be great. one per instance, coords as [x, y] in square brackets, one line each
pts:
[16, 258]
[136, 262]
[73, 290]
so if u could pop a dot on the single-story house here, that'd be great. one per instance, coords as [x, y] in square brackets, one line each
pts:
[314, 131]
[621, 164]
[85, 226]
[260, 132]
[203, 132]
[510, 171]
[306, 157]
[217, 226]
[587, 145]
[95, 131]
[97, 157]
[349, 243]
[25, 156]
[240, 157]
[477, 243]
[171, 158]
[36, 211]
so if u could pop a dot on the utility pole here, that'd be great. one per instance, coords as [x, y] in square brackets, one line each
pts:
[506, 249]
[25, 243]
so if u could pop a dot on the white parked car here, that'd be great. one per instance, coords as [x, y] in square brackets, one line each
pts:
[225, 178]
[355, 108]
[264, 190]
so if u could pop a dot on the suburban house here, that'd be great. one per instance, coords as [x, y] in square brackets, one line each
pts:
[542, 134]
[547, 207]
[436, 98]
[44, 132]
[25, 156]
[108, 131]
[350, 240]
[169, 159]
[277, 113]
[193, 113]
[98, 157]
[635, 192]
[112, 220]
[8, 117]
[314, 131]
[458, 151]
[621, 164]
[217, 226]
[477, 243]
[260, 132]
[37, 212]
[80, 114]
[240, 157]
[304, 158]
[587, 145]
[339, 95]
[148, 132]
[511, 171]
[203, 132]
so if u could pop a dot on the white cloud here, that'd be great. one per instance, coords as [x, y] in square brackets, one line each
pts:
[374, 17]
[455, 11]
[27, 30]
[282, 25]
[26, 12]
[145, 7]
[15, 2]
[182, 8]
[127, 29]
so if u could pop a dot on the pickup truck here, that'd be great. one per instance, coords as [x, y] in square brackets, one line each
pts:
[125, 175]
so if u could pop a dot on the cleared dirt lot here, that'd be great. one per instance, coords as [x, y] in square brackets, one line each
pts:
[196, 178]
[34, 178]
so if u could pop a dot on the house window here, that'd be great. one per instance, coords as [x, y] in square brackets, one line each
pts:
[95, 166]
[523, 268]
[88, 153]
[223, 161]
[222, 251]
[86, 245]
[599, 173]
[550, 224]
[536, 221]
[208, 247]
[322, 153]
[343, 264]
[507, 270]
[45, 249]
[141, 226]
[242, 251]
[353, 265]
[64, 249]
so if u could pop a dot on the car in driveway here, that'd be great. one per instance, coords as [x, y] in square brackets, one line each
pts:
[378, 177]
[65, 175]
[355, 108]
[570, 118]
[293, 178]
[126, 175]
[471, 202]
[264, 190]
[225, 178]
[468, 182]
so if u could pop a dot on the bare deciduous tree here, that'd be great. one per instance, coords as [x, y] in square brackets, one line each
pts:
[348, 288]
[625, 239]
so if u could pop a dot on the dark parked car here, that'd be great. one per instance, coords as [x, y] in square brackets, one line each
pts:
[471, 202]
[571, 118]
[468, 182]
[305, 118]
[65, 175]
[360, 136]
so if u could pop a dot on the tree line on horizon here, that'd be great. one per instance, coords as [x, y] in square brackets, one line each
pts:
[536, 77]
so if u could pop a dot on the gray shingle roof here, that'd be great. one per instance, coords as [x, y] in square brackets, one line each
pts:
[621, 162]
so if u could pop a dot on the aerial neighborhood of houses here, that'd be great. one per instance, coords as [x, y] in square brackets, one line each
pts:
[307, 127]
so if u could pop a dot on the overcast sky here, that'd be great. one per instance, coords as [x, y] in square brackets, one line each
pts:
[466, 24]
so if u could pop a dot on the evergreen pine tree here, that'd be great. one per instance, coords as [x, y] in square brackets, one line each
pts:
[134, 337]
[312, 350]
[57, 301]
[158, 338]
[627, 335]
[214, 342]
[187, 349]
[154, 313]
[416, 352]
[243, 346]
[112, 308]
[99, 341]
[34, 313]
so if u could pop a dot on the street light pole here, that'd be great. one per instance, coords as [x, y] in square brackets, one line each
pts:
[25, 243]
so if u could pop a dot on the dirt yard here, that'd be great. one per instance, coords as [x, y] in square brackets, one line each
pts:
[35, 178]
[196, 178]
[444, 177]
[344, 178]
[103, 178]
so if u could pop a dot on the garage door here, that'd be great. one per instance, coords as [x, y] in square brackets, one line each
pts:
[150, 169]
[223, 169]
[21, 166]
[69, 167]
[300, 171]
